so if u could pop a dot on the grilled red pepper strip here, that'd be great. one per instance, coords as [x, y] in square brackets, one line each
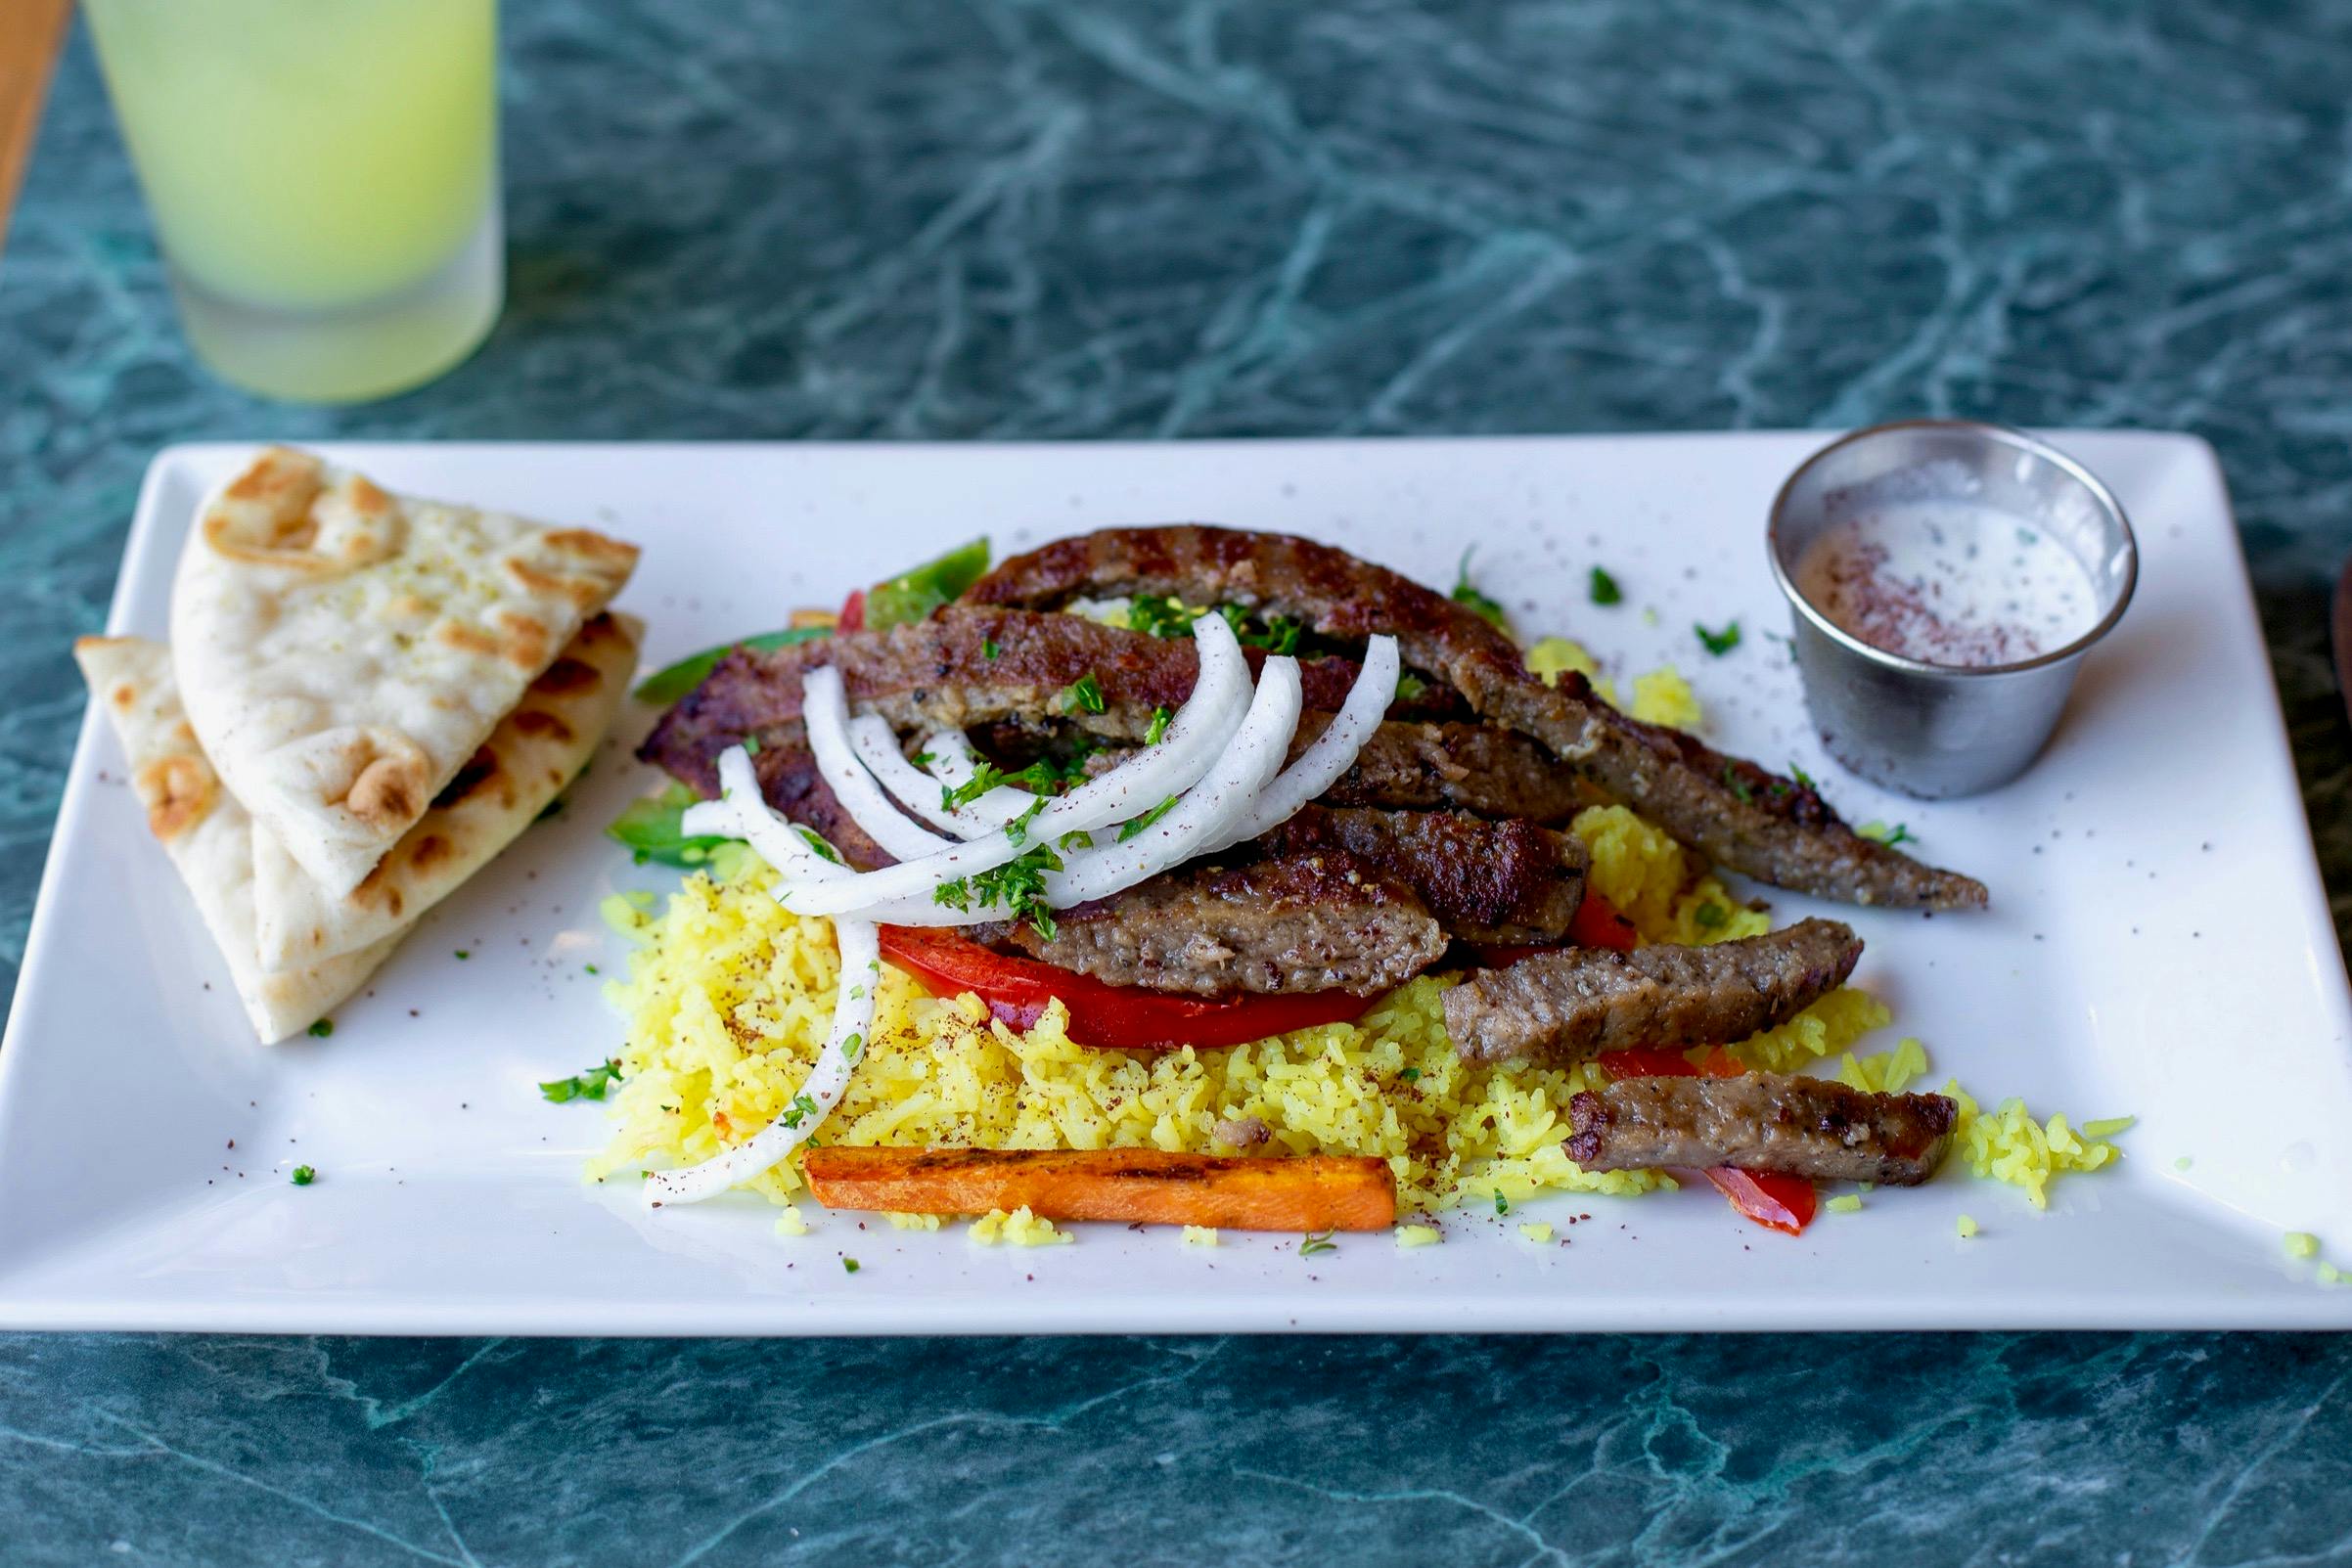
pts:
[1118, 1018]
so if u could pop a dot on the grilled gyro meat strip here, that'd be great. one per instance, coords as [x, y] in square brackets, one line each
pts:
[1731, 811]
[965, 668]
[1485, 882]
[1335, 594]
[1306, 922]
[1738, 814]
[1815, 1127]
[1408, 766]
[1564, 1008]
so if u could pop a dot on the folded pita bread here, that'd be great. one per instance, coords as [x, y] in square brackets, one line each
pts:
[342, 651]
[528, 759]
[208, 834]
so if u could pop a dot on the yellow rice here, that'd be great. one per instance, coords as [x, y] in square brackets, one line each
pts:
[728, 998]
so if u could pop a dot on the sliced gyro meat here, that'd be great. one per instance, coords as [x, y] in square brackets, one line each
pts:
[1564, 1008]
[1814, 1127]
[965, 668]
[1485, 882]
[1743, 816]
[1291, 923]
[1740, 814]
[1334, 593]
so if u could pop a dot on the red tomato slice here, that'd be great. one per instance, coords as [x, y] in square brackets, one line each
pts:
[1657, 1061]
[1775, 1202]
[1118, 1018]
[854, 613]
[1599, 924]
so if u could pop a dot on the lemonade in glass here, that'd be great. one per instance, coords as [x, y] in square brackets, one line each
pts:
[324, 179]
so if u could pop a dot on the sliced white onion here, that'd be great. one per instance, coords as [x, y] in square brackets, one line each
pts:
[826, 709]
[1331, 754]
[877, 746]
[1205, 815]
[740, 813]
[953, 765]
[1196, 738]
[813, 1101]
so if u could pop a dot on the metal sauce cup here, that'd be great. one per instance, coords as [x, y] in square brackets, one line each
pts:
[1937, 731]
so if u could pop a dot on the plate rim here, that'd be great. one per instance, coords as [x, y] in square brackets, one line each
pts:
[1298, 1311]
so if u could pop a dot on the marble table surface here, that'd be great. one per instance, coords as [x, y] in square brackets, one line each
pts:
[853, 220]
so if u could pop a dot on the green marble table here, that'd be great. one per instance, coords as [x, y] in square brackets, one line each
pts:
[890, 220]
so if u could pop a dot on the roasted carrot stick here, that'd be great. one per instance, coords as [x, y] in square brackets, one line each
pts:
[1301, 1192]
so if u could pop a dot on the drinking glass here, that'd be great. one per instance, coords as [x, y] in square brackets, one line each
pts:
[324, 180]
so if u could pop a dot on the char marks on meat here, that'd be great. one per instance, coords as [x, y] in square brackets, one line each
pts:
[1743, 816]
[1291, 923]
[1814, 1127]
[1485, 882]
[1564, 1008]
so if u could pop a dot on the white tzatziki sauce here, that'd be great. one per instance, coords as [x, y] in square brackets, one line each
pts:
[1949, 582]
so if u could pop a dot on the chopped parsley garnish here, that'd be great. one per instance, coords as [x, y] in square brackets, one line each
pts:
[323, 1028]
[1718, 643]
[1082, 696]
[1017, 830]
[750, 746]
[1018, 885]
[463, 954]
[849, 1264]
[1076, 838]
[589, 1085]
[1605, 588]
[1737, 784]
[988, 648]
[1158, 615]
[1040, 778]
[1315, 1241]
[854, 1047]
[816, 842]
[1465, 593]
[1136, 825]
[799, 1110]
[304, 1175]
[1279, 635]
[1710, 915]
[1502, 1204]
[1410, 686]
[1889, 837]
[1160, 726]
[1410, 1075]
[1803, 779]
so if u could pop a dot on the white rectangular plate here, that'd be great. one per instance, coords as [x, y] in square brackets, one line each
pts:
[2159, 946]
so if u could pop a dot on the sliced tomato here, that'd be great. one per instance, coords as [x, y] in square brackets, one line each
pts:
[1599, 924]
[1118, 1018]
[1774, 1201]
[1657, 1061]
[854, 613]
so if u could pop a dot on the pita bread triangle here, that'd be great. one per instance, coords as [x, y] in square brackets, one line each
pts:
[342, 651]
[208, 836]
[530, 757]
